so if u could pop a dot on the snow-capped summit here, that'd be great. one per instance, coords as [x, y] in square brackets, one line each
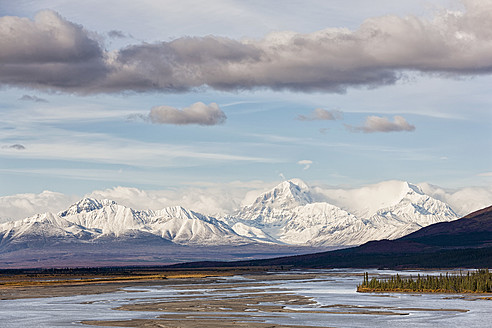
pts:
[416, 209]
[42, 228]
[285, 196]
[183, 226]
[86, 205]
[288, 214]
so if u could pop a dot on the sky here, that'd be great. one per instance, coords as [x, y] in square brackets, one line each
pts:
[234, 96]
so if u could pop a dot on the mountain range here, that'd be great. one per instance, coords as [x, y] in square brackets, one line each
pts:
[284, 220]
[463, 243]
[287, 214]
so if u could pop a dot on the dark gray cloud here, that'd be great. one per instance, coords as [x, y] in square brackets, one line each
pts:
[60, 55]
[115, 34]
[382, 124]
[320, 114]
[15, 146]
[198, 113]
[49, 53]
[33, 98]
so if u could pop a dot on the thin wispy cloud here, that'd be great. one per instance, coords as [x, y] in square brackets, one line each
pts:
[60, 144]
[306, 163]
[57, 54]
[320, 114]
[33, 98]
[198, 113]
[382, 124]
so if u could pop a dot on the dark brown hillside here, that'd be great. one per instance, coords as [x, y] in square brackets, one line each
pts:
[473, 230]
[465, 243]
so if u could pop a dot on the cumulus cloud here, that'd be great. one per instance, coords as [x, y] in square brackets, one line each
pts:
[33, 98]
[320, 114]
[61, 55]
[49, 52]
[15, 146]
[306, 163]
[371, 198]
[210, 199]
[198, 113]
[382, 124]
[223, 199]
[20, 206]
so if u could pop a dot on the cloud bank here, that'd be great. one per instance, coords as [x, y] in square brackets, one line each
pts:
[20, 206]
[382, 124]
[59, 55]
[223, 199]
[197, 113]
[320, 114]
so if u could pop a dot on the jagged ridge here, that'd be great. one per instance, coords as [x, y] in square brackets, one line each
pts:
[287, 214]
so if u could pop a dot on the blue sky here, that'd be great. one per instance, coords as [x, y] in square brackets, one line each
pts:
[419, 119]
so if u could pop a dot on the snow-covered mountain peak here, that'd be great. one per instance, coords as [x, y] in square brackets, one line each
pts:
[412, 189]
[86, 205]
[177, 212]
[298, 182]
[288, 194]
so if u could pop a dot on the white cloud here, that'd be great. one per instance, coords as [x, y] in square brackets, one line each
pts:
[60, 144]
[382, 124]
[306, 163]
[366, 200]
[218, 199]
[215, 199]
[20, 206]
[197, 113]
[462, 201]
[320, 114]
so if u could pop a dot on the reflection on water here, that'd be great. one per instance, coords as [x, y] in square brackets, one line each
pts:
[324, 298]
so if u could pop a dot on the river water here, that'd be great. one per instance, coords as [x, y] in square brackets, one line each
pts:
[337, 304]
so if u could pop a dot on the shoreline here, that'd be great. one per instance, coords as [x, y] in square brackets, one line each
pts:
[410, 291]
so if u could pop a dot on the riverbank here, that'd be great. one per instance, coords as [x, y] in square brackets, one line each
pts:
[277, 299]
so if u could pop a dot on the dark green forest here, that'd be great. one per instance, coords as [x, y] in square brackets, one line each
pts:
[479, 281]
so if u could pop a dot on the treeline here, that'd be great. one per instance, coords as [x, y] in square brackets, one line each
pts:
[479, 281]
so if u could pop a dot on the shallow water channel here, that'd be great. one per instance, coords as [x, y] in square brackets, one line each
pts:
[324, 298]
